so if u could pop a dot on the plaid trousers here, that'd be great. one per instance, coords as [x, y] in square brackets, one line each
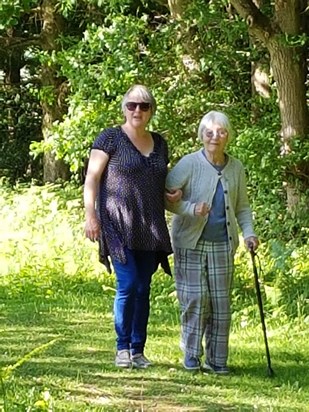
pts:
[203, 284]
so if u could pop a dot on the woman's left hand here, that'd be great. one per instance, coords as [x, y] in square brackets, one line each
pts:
[252, 242]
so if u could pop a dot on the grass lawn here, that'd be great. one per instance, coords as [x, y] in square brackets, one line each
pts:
[58, 356]
[57, 341]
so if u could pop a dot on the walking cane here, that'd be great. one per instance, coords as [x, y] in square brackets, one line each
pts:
[270, 372]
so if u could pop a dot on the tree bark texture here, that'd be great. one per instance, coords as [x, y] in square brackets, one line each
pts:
[288, 63]
[177, 8]
[51, 104]
[288, 71]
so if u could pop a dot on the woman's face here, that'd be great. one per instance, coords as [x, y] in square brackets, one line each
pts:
[137, 111]
[215, 138]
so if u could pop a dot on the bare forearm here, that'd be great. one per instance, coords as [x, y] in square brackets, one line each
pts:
[97, 163]
[92, 227]
[90, 195]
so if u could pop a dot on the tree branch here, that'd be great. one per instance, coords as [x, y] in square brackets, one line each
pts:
[259, 24]
[18, 42]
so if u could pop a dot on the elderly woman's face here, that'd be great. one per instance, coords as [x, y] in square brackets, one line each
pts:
[215, 138]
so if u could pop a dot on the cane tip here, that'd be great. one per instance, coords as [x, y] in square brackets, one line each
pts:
[251, 248]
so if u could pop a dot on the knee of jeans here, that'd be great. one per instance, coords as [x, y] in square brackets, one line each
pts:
[126, 290]
[127, 287]
[143, 290]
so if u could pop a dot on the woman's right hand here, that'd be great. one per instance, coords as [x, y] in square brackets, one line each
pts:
[201, 209]
[92, 228]
[173, 195]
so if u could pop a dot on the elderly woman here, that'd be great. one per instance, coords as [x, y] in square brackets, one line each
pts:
[205, 238]
[124, 204]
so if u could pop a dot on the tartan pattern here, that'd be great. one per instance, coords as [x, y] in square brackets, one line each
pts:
[203, 283]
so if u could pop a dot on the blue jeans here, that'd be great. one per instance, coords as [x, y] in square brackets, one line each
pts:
[131, 305]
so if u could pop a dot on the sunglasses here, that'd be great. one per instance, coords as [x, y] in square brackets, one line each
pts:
[144, 107]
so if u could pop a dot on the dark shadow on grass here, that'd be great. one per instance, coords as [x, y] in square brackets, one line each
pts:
[84, 357]
[140, 386]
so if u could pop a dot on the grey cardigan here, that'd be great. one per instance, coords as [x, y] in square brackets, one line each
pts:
[198, 180]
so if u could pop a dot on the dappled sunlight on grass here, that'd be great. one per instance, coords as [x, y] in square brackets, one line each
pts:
[78, 368]
[57, 343]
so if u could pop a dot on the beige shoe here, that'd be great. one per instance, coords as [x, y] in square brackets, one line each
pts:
[123, 359]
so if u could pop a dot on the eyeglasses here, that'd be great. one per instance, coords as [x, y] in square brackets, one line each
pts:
[220, 133]
[144, 107]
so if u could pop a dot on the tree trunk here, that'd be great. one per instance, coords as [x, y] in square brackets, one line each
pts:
[260, 77]
[189, 58]
[177, 8]
[54, 169]
[288, 70]
[288, 63]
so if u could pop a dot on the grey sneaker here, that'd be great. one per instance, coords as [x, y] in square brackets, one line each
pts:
[123, 359]
[140, 361]
[191, 362]
[219, 370]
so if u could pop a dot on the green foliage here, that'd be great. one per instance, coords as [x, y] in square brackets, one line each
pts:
[11, 11]
[257, 146]
[289, 272]
[193, 66]
[19, 125]
[104, 63]
[41, 226]
[44, 255]
[109, 59]
[292, 40]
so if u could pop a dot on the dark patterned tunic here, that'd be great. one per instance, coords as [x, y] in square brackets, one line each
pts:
[131, 198]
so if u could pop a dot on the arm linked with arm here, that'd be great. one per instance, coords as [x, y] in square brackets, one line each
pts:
[177, 179]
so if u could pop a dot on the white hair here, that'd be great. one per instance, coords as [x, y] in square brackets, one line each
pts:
[212, 118]
[144, 93]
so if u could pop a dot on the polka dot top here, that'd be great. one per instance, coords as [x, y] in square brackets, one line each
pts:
[130, 202]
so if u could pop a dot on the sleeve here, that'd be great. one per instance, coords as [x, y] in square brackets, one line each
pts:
[179, 175]
[163, 146]
[179, 178]
[106, 141]
[243, 210]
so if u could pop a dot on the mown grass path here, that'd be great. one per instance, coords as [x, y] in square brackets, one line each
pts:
[57, 341]
[63, 352]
